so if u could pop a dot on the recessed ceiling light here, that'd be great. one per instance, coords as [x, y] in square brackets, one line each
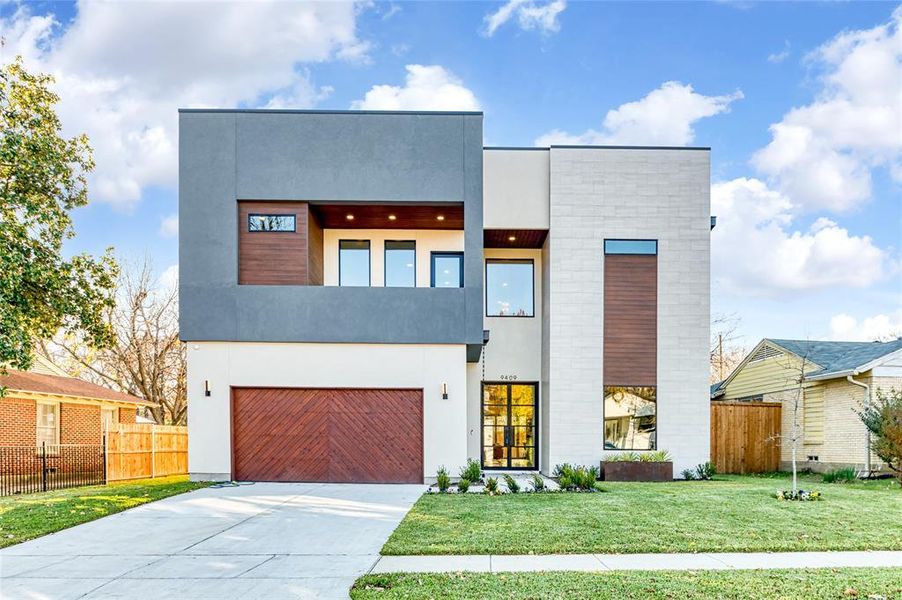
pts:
[392, 217]
[349, 217]
[441, 217]
[512, 238]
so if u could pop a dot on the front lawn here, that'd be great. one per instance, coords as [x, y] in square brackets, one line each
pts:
[29, 516]
[785, 584]
[730, 514]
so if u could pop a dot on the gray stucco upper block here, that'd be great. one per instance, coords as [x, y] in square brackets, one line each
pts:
[226, 156]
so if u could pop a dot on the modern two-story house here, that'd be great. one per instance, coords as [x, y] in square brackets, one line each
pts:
[367, 296]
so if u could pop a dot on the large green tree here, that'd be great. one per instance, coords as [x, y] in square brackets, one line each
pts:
[42, 179]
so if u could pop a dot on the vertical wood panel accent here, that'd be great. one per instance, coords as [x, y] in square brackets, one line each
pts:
[630, 319]
[272, 257]
[327, 435]
[745, 436]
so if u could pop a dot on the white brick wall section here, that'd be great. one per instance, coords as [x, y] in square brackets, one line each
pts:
[634, 194]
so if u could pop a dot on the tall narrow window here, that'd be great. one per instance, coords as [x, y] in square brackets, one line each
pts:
[448, 269]
[509, 288]
[354, 263]
[48, 418]
[400, 264]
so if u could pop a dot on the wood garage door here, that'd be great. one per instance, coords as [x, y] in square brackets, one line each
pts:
[330, 435]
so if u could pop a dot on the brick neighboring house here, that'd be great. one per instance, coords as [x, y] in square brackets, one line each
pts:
[839, 378]
[44, 405]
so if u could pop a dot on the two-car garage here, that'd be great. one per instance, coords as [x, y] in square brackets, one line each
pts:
[345, 435]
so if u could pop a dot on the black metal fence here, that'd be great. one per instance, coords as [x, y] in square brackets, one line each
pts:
[28, 469]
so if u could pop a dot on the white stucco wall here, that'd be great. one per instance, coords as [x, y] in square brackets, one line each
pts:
[599, 193]
[427, 241]
[226, 364]
[515, 188]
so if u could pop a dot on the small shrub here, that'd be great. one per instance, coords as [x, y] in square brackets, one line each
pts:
[442, 479]
[623, 457]
[576, 478]
[801, 495]
[844, 475]
[463, 485]
[656, 456]
[705, 471]
[512, 486]
[491, 486]
[538, 482]
[559, 470]
[688, 474]
[473, 471]
[883, 418]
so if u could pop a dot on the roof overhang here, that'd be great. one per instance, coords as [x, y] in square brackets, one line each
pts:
[50, 397]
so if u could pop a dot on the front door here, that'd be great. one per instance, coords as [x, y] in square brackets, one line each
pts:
[509, 431]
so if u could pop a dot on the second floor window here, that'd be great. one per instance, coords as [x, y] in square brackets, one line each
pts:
[509, 290]
[354, 263]
[400, 264]
[271, 223]
[448, 269]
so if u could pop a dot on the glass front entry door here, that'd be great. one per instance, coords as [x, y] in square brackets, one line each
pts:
[509, 425]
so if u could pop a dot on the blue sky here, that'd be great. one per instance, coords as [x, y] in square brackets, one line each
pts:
[808, 199]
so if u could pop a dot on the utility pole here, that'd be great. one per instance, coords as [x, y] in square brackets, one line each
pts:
[720, 355]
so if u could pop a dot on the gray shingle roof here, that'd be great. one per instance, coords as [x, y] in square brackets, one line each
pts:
[838, 357]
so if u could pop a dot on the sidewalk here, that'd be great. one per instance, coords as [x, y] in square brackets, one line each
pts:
[644, 562]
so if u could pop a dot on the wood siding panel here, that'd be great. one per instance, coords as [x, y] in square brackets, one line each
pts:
[745, 436]
[272, 257]
[314, 250]
[523, 238]
[766, 376]
[327, 435]
[630, 320]
[376, 216]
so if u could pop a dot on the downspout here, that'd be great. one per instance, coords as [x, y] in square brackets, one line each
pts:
[867, 434]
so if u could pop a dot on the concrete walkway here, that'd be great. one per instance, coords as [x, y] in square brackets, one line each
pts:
[620, 562]
[267, 540]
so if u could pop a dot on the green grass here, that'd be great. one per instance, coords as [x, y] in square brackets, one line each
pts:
[29, 516]
[783, 584]
[729, 514]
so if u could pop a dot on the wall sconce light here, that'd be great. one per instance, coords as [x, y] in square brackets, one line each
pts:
[206, 387]
[444, 391]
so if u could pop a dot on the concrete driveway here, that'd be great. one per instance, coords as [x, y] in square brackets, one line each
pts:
[266, 540]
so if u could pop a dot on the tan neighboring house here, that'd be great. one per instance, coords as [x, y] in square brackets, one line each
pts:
[839, 378]
[44, 405]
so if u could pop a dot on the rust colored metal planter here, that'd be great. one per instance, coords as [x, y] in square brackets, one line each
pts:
[636, 471]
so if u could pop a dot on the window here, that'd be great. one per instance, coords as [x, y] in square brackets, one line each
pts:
[400, 264]
[271, 223]
[48, 420]
[630, 246]
[447, 269]
[813, 415]
[509, 288]
[630, 418]
[108, 418]
[354, 263]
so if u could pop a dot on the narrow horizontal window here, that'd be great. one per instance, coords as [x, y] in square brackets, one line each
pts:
[630, 418]
[630, 246]
[509, 288]
[354, 263]
[400, 264]
[271, 223]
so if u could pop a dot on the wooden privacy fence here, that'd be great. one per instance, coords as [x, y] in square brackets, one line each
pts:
[745, 436]
[139, 451]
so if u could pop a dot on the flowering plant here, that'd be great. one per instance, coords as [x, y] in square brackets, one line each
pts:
[802, 495]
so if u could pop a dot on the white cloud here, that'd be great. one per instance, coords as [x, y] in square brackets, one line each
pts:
[426, 87]
[778, 57]
[880, 327]
[664, 117]
[169, 226]
[169, 278]
[123, 70]
[756, 250]
[530, 15]
[822, 154]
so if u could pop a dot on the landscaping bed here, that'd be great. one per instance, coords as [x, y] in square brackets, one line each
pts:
[728, 514]
[783, 584]
[29, 516]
